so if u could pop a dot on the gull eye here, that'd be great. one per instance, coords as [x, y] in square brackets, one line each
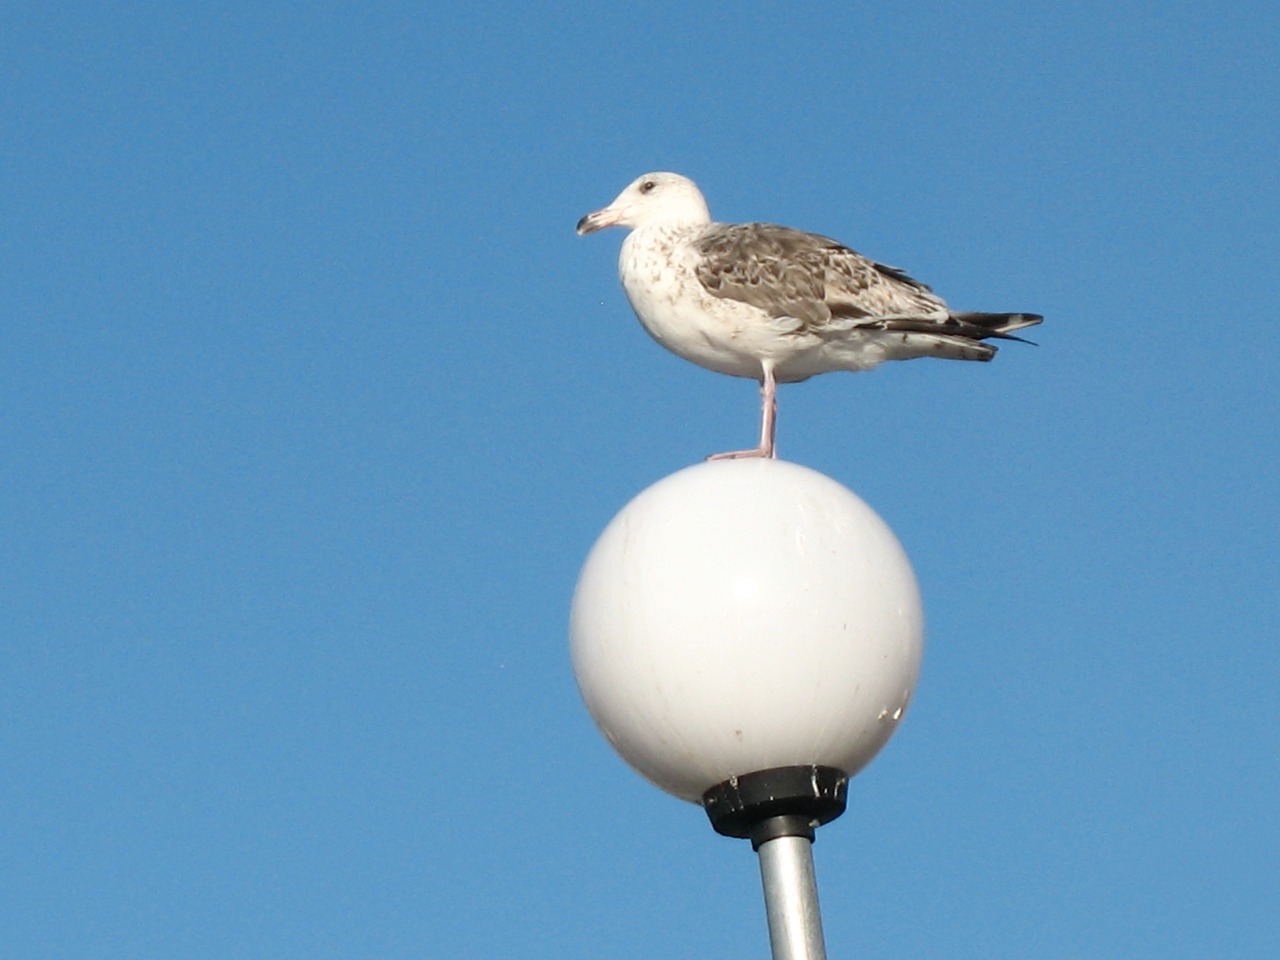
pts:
[648, 186]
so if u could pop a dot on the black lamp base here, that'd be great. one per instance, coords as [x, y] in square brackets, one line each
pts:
[783, 801]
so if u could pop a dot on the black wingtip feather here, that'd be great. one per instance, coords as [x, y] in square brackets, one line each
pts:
[996, 326]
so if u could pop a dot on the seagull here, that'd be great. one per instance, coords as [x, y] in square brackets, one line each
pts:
[775, 304]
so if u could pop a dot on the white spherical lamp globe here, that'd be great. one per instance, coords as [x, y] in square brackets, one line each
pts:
[744, 615]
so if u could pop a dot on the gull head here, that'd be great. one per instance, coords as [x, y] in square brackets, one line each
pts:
[665, 198]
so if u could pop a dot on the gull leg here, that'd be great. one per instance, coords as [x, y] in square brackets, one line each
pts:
[768, 417]
[768, 411]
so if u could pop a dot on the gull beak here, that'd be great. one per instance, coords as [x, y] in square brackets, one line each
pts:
[608, 217]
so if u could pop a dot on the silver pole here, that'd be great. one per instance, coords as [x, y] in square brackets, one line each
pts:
[791, 898]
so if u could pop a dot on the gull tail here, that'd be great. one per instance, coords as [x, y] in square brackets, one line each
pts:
[959, 337]
[999, 326]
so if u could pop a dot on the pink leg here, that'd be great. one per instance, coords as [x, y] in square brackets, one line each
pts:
[768, 411]
[768, 417]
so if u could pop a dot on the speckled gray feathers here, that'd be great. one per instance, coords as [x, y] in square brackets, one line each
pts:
[828, 288]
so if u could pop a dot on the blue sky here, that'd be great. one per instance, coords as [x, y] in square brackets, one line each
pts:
[312, 403]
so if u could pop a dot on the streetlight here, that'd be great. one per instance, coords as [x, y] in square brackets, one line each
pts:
[747, 634]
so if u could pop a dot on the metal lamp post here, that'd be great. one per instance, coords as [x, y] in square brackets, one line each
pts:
[747, 634]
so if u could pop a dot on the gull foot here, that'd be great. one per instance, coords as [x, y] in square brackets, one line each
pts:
[759, 453]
